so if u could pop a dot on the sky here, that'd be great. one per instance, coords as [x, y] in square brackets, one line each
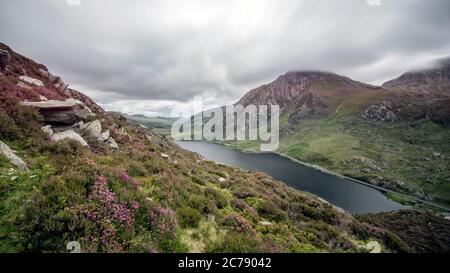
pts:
[154, 57]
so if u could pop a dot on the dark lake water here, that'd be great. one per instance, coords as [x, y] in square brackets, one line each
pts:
[346, 194]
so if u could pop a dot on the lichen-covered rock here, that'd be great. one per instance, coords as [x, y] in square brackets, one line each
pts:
[23, 86]
[66, 112]
[94, 128]
[68, 134]
[32, 81]
[112, 143]
[380, 112]
[104, 136]
[12, 157]
[47, 129]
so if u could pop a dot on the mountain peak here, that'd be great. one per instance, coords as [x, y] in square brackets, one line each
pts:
[292, 85]
[433, 79]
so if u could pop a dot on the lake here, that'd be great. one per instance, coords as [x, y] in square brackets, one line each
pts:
[346, 194]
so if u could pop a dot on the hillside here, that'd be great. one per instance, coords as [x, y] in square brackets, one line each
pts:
[70, 171]
[161, 125]
[395, 136]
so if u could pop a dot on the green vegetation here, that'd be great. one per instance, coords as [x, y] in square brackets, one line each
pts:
[410, 157]
[412, 230]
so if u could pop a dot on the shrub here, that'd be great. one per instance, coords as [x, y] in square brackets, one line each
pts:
[269, 210]
[202, 204]
[219, 199]
[18, 122]
[163, 221]
[188, 217]
[64, 147]
[237, 224]
[234, 242]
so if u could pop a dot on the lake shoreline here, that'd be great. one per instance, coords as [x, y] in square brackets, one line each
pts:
[321, 169]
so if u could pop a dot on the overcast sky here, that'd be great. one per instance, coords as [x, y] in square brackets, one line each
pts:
[146, 56]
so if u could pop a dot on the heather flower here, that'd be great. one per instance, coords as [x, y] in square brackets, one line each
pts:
[163, 221]
[134, 205]
[127, 179]
[237, 223]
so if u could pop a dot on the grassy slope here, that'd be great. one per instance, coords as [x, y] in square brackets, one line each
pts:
[411, 157]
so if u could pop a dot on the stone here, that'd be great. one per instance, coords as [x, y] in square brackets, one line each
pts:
[112, 143]
[221, 179]
[32, 81]
[68, 134]
[65, 112]
[380, 112]
[104, 136]
[47, 129]
[78, 126]
[94, 128]
[5, 58]
[373, 247]
[44, 73]
[23, 85]
[265, 223]
[12, 157]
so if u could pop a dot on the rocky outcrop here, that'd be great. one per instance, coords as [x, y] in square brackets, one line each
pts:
[23, 86]
[12, 157]
[104, 136]
[5, 57]
[55, 80]
[68, 134]
[61, 112]
[31, 81]
[380, 112]
[310, 105]
[94, 128]
[112, 143]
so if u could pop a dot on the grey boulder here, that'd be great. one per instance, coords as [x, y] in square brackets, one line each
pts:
[12, 157]
[68, 134]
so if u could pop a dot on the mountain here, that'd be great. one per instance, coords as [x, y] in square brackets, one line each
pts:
[433, 81]
[290, 91]
[69, 171]
[395, 135]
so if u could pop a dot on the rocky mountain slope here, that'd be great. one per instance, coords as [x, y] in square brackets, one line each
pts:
[434, 80]
[396, 136]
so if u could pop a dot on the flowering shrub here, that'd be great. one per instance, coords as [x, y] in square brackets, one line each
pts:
[17, 121]
[163, 221]
[49, 94]
[127, 179]
[106, 213]
[237, 223]
[108, 205]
